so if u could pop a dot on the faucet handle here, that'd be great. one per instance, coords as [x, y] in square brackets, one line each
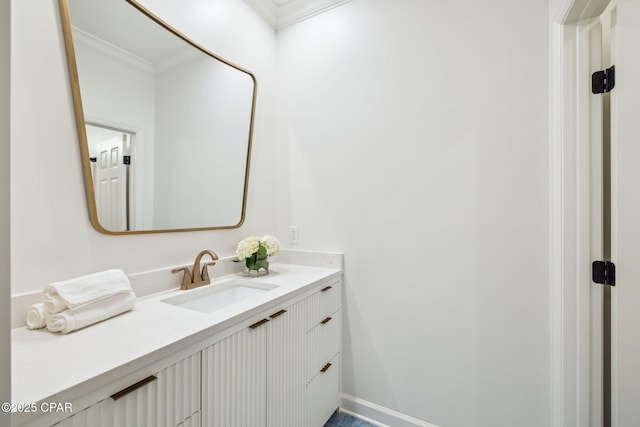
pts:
[186, 278]
[205, 271]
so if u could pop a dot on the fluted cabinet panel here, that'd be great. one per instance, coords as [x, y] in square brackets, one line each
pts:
[283, 372]
[234, 380]
[168, 401]
[323, 342]
[322, 394]
[92, 416]
[323, 303]
[193, 421]
[286, 368]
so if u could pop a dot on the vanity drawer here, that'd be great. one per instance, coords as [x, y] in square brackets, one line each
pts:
[325, 302]
[322, 392]
[323, 342]
[169, 398]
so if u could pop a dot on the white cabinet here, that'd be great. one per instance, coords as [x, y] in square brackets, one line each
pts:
[270, 374]
[279, 369]
[285, 367]
[169, 398]
[234, 380]
[322, 393]
[255, 376]
[323, 343]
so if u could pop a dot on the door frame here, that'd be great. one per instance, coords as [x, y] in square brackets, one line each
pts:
[5, 205]
[138, 196]
[575, 221]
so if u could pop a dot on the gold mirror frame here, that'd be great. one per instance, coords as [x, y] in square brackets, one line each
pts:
[81, 124]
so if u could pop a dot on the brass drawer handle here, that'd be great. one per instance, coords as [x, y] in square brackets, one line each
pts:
[280, 313]
[326, 289]
[260, 323]
[325, 321]
[132, 388]
[325, 368]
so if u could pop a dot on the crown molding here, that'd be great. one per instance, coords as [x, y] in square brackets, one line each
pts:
[82, 38]
[162, 66]
[283, 13]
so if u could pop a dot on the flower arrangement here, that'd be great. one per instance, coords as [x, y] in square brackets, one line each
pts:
[255, 252]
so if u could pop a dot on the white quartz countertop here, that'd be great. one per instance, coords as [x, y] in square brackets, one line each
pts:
[47, 367]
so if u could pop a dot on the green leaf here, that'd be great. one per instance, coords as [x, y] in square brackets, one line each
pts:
[262, 264]
[262, 252]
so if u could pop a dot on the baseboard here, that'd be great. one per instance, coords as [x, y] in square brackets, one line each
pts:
[378, 415]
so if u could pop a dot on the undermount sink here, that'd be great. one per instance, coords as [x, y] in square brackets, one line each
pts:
[210, 298]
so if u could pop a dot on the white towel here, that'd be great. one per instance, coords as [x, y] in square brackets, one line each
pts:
[88, 314]
[37, 316]
[83, 290]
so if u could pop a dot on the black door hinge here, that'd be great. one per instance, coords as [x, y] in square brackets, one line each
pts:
[604, 272]
[126, 160]
[603, 81]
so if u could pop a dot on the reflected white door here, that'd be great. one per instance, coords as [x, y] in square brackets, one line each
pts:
[110, 182]
[625, 214]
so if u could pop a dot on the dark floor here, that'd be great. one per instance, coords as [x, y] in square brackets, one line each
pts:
[344, 420]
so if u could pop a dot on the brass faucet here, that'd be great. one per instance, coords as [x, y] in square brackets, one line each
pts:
[199, 278]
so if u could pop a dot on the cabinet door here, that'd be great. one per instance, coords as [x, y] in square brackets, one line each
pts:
[286, 367]
[169, 398]
[260, 376]
[234, 380]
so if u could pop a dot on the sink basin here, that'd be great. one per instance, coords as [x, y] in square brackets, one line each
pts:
[211, 298]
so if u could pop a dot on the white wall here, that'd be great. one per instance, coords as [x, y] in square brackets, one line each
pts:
[52, 238]
[119, 94]
[413, 136]
[5, 288]
[210, 179]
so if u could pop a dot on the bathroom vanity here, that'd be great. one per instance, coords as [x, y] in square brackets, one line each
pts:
[266, 358]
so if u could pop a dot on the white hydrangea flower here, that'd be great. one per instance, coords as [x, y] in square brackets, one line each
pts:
[272, 244]
[247, 247]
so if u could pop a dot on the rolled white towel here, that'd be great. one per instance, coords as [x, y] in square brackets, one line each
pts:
[79, 317]
[52, 302]
[85, 289]
[37, 316]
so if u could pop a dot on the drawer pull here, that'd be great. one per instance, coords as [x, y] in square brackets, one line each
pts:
[280, 313]
[325, 368]
[132, 388]
[260, 323]
[325, 321]
[326, 289]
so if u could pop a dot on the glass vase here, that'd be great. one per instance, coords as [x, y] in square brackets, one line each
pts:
[257, 265]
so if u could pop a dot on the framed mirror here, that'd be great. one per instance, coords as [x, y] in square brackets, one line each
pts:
[165, 126]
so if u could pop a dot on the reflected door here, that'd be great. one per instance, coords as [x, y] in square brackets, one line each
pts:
[108, 148]
[111, 185]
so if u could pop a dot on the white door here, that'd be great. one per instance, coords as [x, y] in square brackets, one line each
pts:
[110, 183]
[625, 214]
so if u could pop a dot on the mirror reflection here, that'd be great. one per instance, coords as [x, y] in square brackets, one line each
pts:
[165, 126]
